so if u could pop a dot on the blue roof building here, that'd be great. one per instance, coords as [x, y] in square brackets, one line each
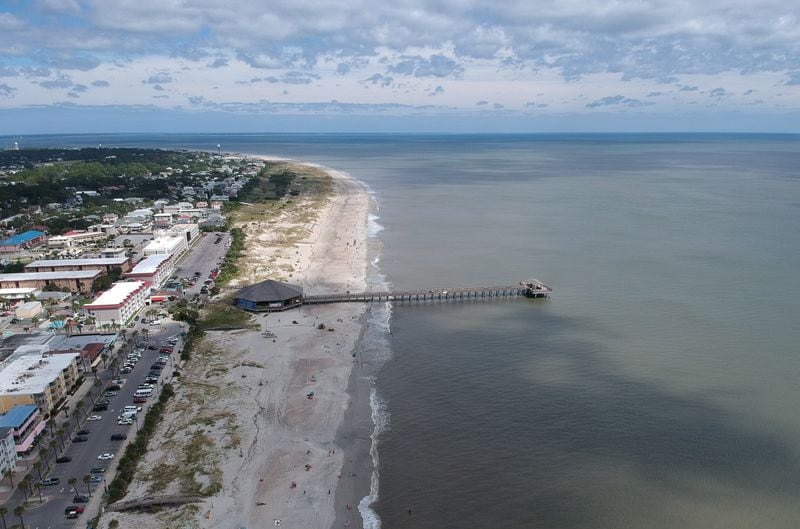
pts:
[16, 416]
[26, 423]
[25, 239]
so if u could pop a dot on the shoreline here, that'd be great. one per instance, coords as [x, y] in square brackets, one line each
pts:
[273, 419]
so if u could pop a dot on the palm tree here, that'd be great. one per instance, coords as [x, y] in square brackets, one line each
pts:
[145, 334]
[10, 475]
[24, 485]
[3, 512]
[18, 510]
[72, 481]
[80, 405]
[60, 432]
[39, 490]
[38, 468]
[98, 385]
[87, 479]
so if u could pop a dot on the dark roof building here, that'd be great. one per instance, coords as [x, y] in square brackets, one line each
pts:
[269, 296]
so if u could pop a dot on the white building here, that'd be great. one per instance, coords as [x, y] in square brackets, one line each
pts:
[28, 310]
[76, 238]
[170, 245]
[119, 304]
[8, 450]
[37, 379]
[154, 269]
[190, 231]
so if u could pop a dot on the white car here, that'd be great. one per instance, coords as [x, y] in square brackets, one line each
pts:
[105, 457]
[132, 408]
[95, 418]
[155, 322]
[125, 422]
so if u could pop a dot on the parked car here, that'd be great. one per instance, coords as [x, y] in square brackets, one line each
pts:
[167, 350]
[139, 400]
[97, 470]
[80, 439]
[83, 432]
[125, 370]
[72, 515]
[125, 422]
[151, 377]
[80, 499]
[100, 407]
[95, 479]
[119, 437]
[132, 408]
[152, 347]
[105, 457]
[63, 459]
[48, 482]
[111, 393]
[95, 418]
[76, 508]
[156, 366]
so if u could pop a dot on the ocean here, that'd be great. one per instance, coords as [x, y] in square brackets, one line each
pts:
[656, 388]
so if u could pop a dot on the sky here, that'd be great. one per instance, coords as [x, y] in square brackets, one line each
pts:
[400, 66]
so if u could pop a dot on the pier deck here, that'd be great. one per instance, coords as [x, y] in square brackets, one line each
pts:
[531, 288]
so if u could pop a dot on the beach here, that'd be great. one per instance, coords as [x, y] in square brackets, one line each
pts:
[258, 423]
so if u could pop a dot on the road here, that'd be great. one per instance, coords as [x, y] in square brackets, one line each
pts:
[205, 256]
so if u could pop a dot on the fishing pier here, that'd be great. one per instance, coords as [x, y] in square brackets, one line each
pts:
[531, 288]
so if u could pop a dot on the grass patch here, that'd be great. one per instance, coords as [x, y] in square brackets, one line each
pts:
[222, 316]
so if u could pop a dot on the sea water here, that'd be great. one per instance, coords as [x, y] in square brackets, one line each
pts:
[657, 387]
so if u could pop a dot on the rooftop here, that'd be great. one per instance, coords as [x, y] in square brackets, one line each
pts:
[99, 261]
[117, 294]
[269, 291]
[51, 276]
[32, 373]
[165, 243]
[22, 237]
[149, 264]
[16, 416]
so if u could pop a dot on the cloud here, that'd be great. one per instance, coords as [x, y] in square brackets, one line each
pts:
[533, 104]
[794, 79]
[219, 62]
[158, 88]
[62, 81]
[435, 66]
[292, 77]
[379, 79]
[79, 88]
[101, 83]
[498, 106]
[7, 91]
[719, 93]
[687, 88]
[750, 92]
[9, 22]
[437, 91]
[657, 94]
[60, 6]
[481, 103]
[159, 79]
[618, 100]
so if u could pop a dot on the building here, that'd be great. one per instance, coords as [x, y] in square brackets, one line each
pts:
[190, 231]
[162, 220]
[8, 450]
[171, 245]
[72, 280]
[154, 269]
[112, 252]
[28, 310]
[16, 293]
[119, 304]
[76, 238]
[269, 296]
[26, 424]
[22, 241]
[41, 380]
[104, 264]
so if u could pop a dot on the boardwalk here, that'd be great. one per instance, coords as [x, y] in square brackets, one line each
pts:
[531, 288]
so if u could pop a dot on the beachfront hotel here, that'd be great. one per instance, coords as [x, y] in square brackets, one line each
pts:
[154, 269]
[26, 423]
[38, 379]
[72, 280]
[118, 304]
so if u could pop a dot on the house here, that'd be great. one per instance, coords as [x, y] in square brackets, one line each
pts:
[269, 296]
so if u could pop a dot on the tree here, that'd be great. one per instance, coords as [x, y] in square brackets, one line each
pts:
[88, 480]
[72, 481]
[37, 466]
[25, 485]
[79, 406]
[60, 432]
[39, 490]
[18, 510]
[3, 512]
[10, 475]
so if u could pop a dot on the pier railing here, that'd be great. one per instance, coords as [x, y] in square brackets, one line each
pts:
[531, 288]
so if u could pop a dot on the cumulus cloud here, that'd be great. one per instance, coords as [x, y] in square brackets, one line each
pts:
[481, 103]
[657, 94]
[159, 79]
[292, 77]
[434, 66]
[7, 91]
[618, 101]
[719, 93]
[379, 79]
[437, 91]
[534, 104]
[687, 88]
[62, 81]
[219, 62]
[101, 83]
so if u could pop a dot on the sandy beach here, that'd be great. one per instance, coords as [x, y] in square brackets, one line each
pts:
[258, 420]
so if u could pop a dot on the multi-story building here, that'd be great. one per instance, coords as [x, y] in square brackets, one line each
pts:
[8, 451]
[119, 304]
[76, 238]
[104, 264]
[26, 423]
[171, 245]
[153, 269]
[21, 241]
[41, 380]
[72, 280]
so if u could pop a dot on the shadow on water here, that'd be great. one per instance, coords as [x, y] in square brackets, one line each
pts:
[496, 427]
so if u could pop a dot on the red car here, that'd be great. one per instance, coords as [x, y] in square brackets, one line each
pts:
[165, 350]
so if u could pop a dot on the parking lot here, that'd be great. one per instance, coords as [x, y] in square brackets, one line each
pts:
[98, 433]
[206, 255]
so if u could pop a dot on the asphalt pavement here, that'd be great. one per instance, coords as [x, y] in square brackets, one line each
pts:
[206, 255]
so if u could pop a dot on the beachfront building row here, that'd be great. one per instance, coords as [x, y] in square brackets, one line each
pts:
[72, 239]
[104, 264]
[25, 422]
[8, 451]
[71, 280]
[119, 304]
[166, 245]
[154, 269]
[41, 380]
